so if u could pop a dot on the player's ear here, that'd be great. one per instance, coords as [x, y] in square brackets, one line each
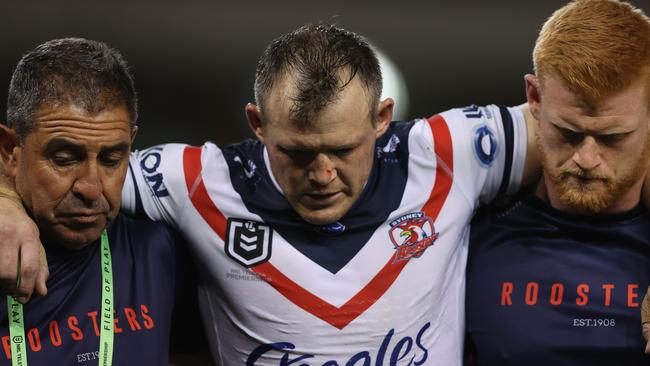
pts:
[9, 149]
[254, 117]
[533, 94]
[384, 116]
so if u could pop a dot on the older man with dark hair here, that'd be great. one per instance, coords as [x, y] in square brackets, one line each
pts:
[71, 121]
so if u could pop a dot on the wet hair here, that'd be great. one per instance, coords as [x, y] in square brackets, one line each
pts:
[597, 47]
[69, 71]
[320, 61]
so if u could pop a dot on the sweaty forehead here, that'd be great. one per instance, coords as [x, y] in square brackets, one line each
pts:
[351, 104]
[106, 119]
[71, 122]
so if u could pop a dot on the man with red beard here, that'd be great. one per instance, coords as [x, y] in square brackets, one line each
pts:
[557, 277]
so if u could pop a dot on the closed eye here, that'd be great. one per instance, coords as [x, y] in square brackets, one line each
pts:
[64, 158]
[111, 160]
[569, 136]
[343, 152]
[299, 156]
[613, 139]
[114, 155]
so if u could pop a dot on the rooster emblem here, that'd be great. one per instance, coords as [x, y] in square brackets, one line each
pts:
[412, 234]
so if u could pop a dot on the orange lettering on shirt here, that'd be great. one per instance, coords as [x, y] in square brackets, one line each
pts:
[608, 293]
[55, 335]
[144, 311]
[631, 295]
[532, 289]
[77, 334]
[582, 299]
[34, 338]
[506, 291]
[557, 294]
[6, 344]
[130, 317]
[93, 316]
[116, 329]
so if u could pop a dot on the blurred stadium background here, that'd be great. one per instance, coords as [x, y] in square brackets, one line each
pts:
[194, 61]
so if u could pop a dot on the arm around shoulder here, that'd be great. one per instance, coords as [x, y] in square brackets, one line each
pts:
[23, 268]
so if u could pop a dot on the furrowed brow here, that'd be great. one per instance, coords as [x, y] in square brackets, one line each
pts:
[58, 144]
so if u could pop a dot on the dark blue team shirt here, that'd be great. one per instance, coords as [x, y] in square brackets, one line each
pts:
[62, 328]
[549, 288]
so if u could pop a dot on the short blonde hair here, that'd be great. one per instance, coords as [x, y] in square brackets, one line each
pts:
[597, 47]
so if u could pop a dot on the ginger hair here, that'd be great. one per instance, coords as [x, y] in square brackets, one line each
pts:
[597, 47]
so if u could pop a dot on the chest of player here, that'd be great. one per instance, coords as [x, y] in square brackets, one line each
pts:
[73, 338]
[405, 275]
[583, 301]
[64, 327]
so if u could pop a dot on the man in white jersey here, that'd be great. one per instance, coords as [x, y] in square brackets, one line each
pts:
[337, 237]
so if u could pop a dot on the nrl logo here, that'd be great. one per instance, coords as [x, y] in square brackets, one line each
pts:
[248, 242]
[412, 234]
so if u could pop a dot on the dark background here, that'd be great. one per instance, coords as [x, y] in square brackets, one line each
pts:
[194, 61]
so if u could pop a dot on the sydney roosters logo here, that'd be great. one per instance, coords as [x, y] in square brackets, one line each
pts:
[412, 234]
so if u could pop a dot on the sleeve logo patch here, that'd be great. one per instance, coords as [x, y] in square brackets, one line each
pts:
[473, 111]
[485, 145]
[149, 163]
[248, 242]
[249, 168]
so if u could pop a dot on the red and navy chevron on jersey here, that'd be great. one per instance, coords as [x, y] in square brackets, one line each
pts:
[276, 290]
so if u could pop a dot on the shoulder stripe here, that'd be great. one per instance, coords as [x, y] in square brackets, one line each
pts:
[508, 131]
[199, 194]
[444, 149]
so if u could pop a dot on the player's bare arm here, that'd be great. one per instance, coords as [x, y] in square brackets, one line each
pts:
[23, 267]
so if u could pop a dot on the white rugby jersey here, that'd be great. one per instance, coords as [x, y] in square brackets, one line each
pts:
[383, 286]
